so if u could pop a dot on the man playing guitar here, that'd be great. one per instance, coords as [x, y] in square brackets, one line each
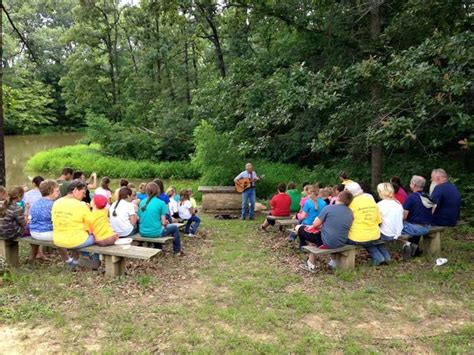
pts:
[248, 194]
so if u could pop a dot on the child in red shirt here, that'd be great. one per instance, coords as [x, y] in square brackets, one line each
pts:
[280, 204]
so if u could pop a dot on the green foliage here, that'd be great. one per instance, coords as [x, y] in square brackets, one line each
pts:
[90, 159]
[27, 107]
[215, 157]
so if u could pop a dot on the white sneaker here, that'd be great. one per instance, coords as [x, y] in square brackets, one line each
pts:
[191, 235]
[332, 264]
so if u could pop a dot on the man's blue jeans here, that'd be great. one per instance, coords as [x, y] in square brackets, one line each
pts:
[415, 231]
[377, 252]
[248, 197]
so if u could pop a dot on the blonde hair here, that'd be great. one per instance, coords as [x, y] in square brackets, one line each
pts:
[385, 191]
[326, 192]
[313, 191]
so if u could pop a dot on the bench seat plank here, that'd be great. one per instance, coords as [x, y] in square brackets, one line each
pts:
[287, 222]
[276, 218]
[161, 240]
[133, 252]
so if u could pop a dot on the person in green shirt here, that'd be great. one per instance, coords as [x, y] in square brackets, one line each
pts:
[295, 197]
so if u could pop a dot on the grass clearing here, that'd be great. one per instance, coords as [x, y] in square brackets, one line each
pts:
[234, 291]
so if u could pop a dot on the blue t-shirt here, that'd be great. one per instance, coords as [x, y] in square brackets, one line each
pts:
[311, 211]
[337, 221]
[141, 196]
[40, 214]
[448, 204]
[417, 212]
[164, 197]
[150, 219]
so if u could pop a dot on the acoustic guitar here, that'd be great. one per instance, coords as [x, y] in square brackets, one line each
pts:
[244, 184]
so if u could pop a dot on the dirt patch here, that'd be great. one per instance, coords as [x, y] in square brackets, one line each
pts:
[23, 340]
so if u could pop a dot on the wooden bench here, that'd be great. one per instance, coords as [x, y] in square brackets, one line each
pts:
[160, 240]
[431, 242]
[114, 255]
[278, 218]
[345, 256]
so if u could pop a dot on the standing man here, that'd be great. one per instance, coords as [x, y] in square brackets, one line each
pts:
[64, 180]
[447, 199]
[248, 196]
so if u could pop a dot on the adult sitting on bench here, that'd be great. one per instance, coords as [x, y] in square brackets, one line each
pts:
[417, 215]
[280, 204]
[447, 199]
[41, 226]
[365, 228]
[69, 215]
[329, 230]
[152, 212]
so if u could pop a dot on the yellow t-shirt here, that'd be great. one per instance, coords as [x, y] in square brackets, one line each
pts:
[99, 225]
[193, 202]
[69, 222]
[365, 226]
[347, 181]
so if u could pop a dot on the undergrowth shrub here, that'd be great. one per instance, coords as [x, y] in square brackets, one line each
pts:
[89, 159]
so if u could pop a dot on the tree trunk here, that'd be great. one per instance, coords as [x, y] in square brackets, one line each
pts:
[2, 129]
[187, 76]
[196, 82]
[376, 148]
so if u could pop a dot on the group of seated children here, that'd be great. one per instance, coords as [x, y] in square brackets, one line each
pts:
[63, 211]
[349, 214]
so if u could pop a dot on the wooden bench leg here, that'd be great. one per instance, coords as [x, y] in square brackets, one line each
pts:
[9, 249]
[346, 260]
[114, 265]
[432, 243]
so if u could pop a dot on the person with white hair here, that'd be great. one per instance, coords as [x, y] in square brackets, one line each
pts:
[248, 195]
[447, 199]
[417, 215]
[365, 228]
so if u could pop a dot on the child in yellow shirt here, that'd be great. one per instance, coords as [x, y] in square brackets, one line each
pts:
[99, 224]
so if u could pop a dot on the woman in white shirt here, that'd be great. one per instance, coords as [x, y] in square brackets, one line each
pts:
[391, 211]
[122, 215]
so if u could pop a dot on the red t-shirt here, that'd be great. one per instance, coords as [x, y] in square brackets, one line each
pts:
[280, 204]
[401, 195]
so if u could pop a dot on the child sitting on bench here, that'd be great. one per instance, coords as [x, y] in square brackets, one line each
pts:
[280, 204]
[187, 212]
[12, 216]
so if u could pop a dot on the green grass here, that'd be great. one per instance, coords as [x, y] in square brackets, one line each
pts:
[233, 293]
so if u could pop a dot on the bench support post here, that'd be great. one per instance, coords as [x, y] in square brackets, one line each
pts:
[114, 265]
[9, 249]
[432, 243]
[346, 260]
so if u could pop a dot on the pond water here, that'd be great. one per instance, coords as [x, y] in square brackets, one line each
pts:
[18, 149]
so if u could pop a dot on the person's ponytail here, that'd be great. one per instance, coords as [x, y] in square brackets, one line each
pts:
[152, 190]
[123, 194]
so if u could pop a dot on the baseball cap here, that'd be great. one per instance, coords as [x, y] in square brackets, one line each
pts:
[100, 201]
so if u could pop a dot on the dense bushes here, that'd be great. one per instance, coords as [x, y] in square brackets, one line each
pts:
[89, 159]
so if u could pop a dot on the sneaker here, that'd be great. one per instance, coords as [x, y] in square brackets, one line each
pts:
[251, 218]
[413, 249]
[179, 253]
[307, 268]
[406, 252]
[292, 237]
[72, 264]
[332, 264]
[190, 235]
